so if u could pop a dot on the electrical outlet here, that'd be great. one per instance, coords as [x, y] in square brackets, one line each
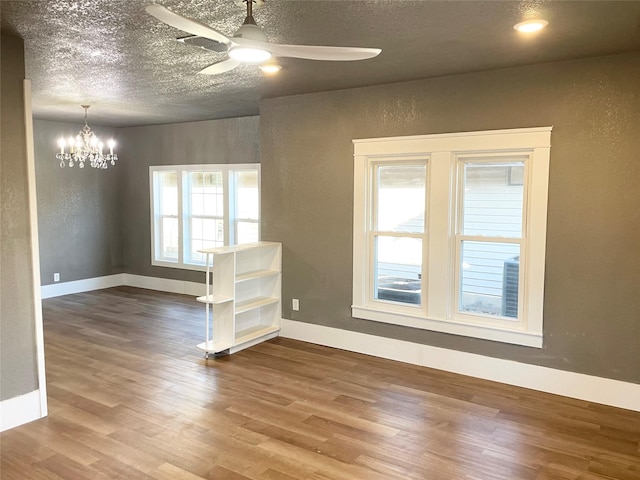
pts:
[295, 304]
[56, 277]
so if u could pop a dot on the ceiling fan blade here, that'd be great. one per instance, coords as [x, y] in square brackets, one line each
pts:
[336, 54]
[220, 67]
[185, 24]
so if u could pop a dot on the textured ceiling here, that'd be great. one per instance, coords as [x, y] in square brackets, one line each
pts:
[127, 65]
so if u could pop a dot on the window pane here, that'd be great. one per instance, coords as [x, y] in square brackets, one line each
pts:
[168, 193]
[213, 230]
[247, 232]
[196, 228]
[206, 194]
[169, 246]
[196, 256]
[493, 199]
[212, 181]
[398, 267]
[489, 276]
[247, 196]
[213, 198]
[207, 229]
[205, 233]
[197, 204]
[213, 204]
[401, 198]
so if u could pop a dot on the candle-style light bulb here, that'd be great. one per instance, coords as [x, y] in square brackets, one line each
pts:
[71, 144]
[111, 144]
[100, 145]
[61, 144]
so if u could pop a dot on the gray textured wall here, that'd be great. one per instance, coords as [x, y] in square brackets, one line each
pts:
[235, 140]
[592, 306]
[78, 209]
[18, 361]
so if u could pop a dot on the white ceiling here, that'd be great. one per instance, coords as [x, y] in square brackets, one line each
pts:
[127, 65]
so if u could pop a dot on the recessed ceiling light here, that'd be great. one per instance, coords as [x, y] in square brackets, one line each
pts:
[270, 68]
[531, 25]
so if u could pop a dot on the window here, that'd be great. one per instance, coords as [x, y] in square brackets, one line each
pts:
[194, 207]
[398, 232]
[450, 232]
[166, 208]
[247, 206]
[204, 214]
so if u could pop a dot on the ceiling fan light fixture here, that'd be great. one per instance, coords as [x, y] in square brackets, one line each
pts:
[249, 54]
[530, 26]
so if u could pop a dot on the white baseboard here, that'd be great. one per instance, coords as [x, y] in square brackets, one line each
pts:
[79, 286]
[20, 410]
[584, 387]
[140, 281]
[164, 284]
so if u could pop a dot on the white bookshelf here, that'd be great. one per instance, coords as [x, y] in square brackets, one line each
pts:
[243, 304]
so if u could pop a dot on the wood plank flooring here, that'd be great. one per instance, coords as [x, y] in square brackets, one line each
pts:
[130, 397]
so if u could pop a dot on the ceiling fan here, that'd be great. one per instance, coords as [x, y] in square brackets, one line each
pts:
[249, 44]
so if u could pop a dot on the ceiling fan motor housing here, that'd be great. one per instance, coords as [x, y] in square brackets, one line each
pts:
[251, 32]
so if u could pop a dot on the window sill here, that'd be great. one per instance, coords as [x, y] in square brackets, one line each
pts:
[513, 336]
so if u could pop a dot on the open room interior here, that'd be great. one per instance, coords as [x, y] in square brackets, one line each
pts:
[361, 379]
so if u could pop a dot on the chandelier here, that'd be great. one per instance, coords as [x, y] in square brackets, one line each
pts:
[86, 147]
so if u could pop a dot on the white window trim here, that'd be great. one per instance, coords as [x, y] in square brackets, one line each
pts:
[229, 208]
[443, 151]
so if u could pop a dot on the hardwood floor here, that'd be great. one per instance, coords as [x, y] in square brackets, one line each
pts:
[130, 397]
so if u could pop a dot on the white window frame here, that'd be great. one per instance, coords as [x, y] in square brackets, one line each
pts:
[157, 234]
[187, 213]
[374, 232]
[444, 152]
[184, 211]
[493, 158]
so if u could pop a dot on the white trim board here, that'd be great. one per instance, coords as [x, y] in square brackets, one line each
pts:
[22, 409]
[35, 248]
[120, 279]
[164, 284]
[584, 387]
[79, 286]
